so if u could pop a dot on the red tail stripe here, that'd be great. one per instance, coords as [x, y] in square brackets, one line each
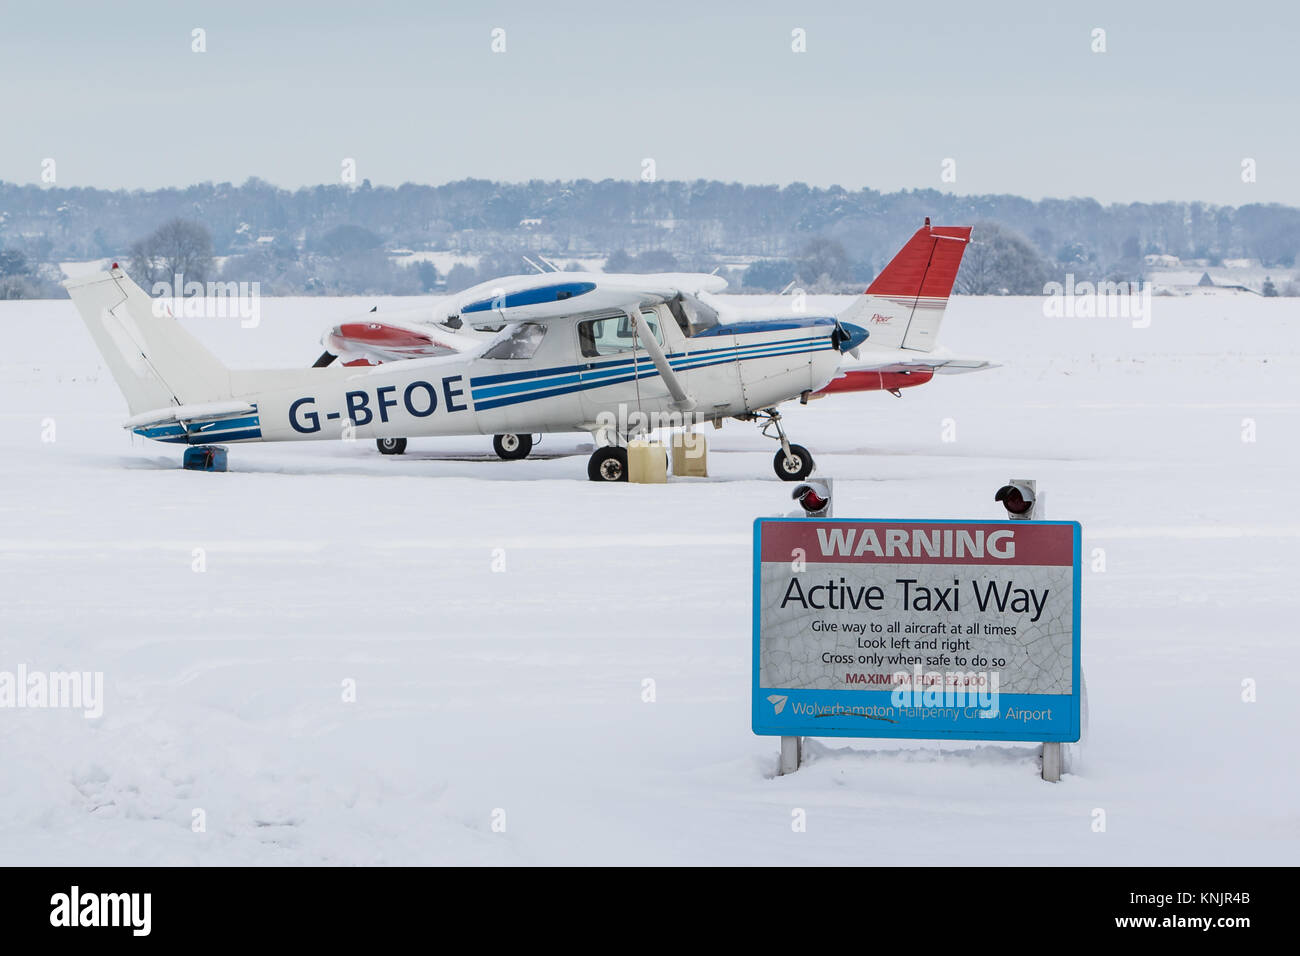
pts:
[926, 266]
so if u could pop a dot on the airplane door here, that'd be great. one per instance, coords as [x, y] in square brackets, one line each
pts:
[616, 376]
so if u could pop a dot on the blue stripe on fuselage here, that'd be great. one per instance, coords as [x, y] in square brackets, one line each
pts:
[691, 356]
[228, 429]
[765, 325]
[225, 436]
[549, 389]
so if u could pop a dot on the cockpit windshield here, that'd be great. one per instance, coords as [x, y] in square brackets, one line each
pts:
[517, 342]
[693, 315]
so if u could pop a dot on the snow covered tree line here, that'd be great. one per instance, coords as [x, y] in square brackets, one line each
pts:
[20, 278]
[340, 239]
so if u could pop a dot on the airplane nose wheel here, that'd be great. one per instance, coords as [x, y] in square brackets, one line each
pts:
[512, 447]
[608, 464]
[391, 446]
[794, 465]
[792, 462]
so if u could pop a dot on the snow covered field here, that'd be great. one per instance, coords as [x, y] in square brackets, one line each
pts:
[516, 695]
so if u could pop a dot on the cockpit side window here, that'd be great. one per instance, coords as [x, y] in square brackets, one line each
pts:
[617, 333]
[678, 313]
[519, 342]
[693, 315]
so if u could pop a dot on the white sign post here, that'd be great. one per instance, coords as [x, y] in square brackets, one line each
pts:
[1021, 498]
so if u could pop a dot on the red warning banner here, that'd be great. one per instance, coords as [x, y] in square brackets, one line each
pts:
[997, 543]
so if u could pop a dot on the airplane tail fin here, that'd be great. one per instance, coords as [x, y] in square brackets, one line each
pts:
[904, 305]
[155, 362]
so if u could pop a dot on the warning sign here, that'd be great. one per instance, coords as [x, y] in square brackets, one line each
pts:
[916, 629]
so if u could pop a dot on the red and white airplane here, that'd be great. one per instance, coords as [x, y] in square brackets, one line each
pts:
[901, 311]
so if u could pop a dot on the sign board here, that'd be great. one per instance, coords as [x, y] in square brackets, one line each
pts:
[927, 629]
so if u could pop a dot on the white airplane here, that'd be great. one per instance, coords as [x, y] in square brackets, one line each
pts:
[614, 355]
[883, 363]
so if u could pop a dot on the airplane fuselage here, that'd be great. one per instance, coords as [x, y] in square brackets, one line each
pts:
[727, 371]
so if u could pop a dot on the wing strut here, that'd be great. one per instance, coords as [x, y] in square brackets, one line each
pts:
[682, 402]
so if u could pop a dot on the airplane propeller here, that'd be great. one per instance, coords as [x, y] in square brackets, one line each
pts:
[847, 337]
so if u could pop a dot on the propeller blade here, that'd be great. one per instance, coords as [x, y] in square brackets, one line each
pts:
[325, 359]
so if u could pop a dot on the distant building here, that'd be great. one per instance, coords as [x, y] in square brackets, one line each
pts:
[1185, 282]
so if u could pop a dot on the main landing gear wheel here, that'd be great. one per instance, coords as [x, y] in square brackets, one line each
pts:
[797, 466]
[608, 464]
[391, 446]
[512, 447]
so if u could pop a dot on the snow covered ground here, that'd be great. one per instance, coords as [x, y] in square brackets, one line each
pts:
[515, 695]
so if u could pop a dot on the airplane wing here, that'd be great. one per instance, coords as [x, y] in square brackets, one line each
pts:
[895, 370]
[454, 325]
[373, 338]
[375, 342]
[940, 366]
[559, 295]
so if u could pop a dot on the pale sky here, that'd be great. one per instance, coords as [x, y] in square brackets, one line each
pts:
[883, 95]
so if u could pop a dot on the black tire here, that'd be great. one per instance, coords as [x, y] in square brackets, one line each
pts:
[608, 464]
[512, 447]
[795, 468]
[391, 446]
